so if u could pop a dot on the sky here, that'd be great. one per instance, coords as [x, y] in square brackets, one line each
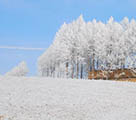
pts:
[28, 27]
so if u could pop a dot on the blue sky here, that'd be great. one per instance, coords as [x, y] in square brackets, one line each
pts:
[33, 24]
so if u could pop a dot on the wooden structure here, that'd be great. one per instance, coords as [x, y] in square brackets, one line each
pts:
[112, 74]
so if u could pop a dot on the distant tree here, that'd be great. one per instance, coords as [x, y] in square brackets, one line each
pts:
[20, 70]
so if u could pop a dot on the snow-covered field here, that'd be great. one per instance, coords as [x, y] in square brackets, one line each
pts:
[58, 99]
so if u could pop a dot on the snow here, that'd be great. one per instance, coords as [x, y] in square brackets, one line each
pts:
[33, 98]
[20, 70]
[94, 45]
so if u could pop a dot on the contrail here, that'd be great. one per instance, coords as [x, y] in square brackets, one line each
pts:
[20, 48]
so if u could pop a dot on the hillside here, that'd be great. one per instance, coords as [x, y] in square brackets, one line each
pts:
[57, 99]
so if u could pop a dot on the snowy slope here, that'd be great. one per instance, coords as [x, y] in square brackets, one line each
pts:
[58, 99]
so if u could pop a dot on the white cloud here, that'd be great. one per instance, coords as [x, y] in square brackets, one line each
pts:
[20, 48]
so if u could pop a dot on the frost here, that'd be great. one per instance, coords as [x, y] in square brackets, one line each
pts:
[32, 98]
[20, 70]
[80, 47]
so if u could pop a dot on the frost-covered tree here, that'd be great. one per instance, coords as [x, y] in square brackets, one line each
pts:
[80, 47]
[20, 70]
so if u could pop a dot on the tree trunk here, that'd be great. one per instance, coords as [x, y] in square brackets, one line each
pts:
[72, 75]
[43, 72]
[81, 73]
[58, 70]
[67, 69]
[77, 70]
[97, 64]
[47, 72]
[89, 66]
[93, 66]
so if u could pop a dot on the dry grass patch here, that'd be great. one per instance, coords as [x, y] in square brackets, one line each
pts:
[128, 80]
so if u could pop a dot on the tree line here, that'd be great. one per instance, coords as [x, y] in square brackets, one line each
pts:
[80, 47]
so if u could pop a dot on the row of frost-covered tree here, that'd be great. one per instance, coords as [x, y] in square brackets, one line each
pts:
[80, 47]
